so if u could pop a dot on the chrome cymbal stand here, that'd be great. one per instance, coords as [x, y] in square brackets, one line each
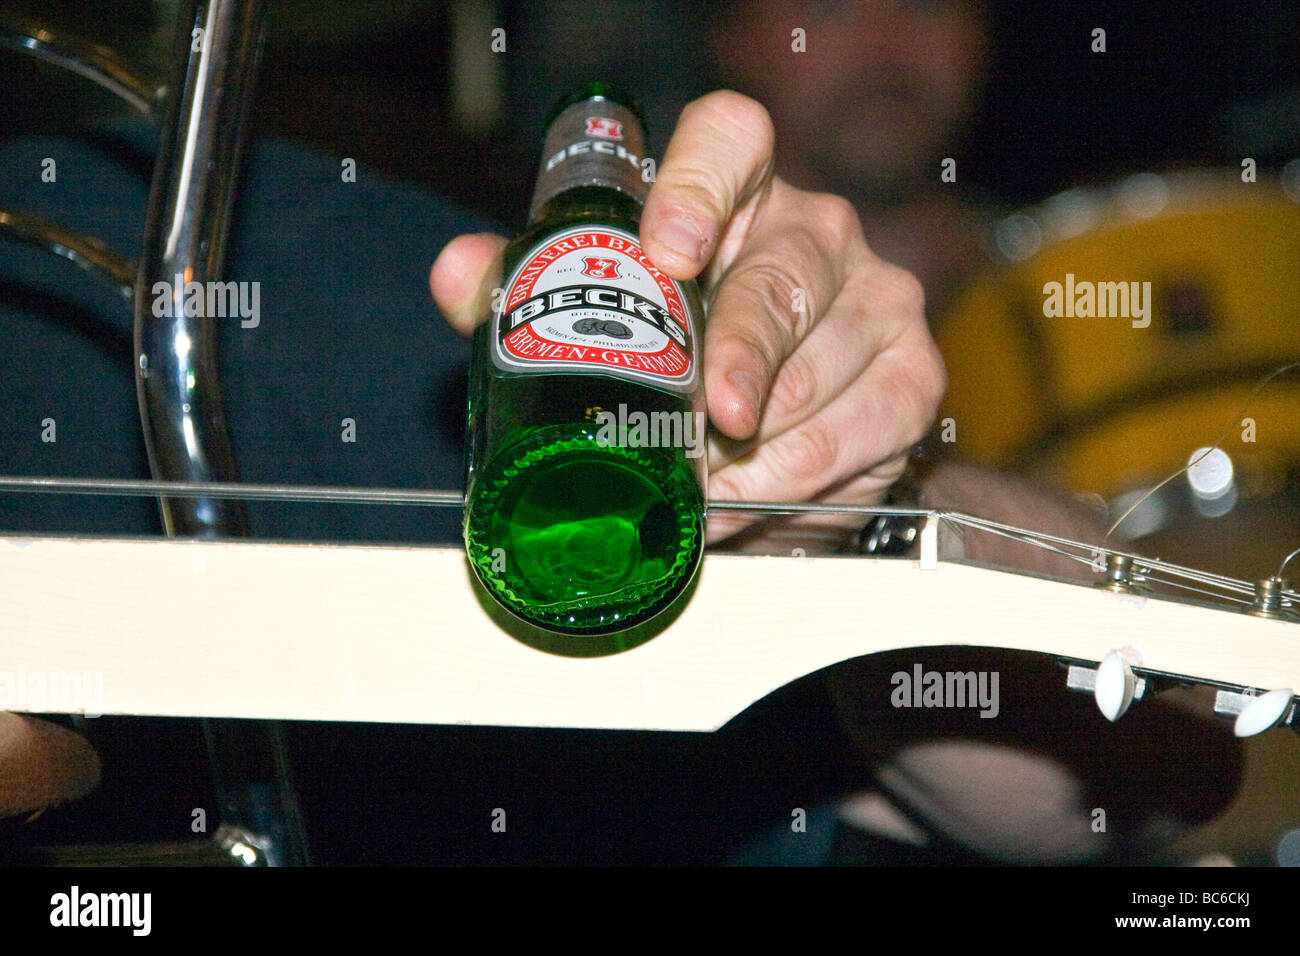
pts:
[201, 111]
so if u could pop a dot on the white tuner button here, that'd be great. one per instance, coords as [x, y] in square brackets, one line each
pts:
[1115, 686]
[1263, 712]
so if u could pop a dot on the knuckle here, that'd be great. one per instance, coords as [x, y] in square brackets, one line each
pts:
[808, 451]
[929, 373]
[795, 387]
[773, 285]
[937, 376]
[774, 290]
[748, 337]
[903, 289]
[726, 485]
[836, 218]
[916, 431]
[926, 381]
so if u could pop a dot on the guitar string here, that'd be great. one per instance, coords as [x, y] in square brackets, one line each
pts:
[1140, 562]
[421, 497]
[238, 491]
[1254, 393]
[1015, 535]
[1285, 561]
[1187, 587]
[1098, 549]
[1142, 566]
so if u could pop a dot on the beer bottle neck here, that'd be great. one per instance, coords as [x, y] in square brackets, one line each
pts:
[594, 155]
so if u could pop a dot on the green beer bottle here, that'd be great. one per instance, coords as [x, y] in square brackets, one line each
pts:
[586, 448]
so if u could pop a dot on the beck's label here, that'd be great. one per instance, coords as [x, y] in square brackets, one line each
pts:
[587, 300]
[595, 142]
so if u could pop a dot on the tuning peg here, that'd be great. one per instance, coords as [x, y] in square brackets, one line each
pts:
[1113, 684]
[1255, 714]
[1264, 712]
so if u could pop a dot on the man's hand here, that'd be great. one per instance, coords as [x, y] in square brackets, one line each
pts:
[42, 764]
[819, 370]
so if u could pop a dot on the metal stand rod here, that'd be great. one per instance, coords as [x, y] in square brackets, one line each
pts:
[181, 410]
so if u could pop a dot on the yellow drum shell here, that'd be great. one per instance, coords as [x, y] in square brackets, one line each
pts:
[1105, 404]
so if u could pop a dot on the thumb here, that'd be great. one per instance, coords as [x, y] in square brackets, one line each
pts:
[42, 764]
[464, 276]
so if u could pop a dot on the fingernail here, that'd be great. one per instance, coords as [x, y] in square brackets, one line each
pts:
[748, 386]
[682, 237]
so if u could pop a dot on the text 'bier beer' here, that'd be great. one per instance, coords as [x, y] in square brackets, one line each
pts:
[585, 489]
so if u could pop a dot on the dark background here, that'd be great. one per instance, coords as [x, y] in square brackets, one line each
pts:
[1181, 83]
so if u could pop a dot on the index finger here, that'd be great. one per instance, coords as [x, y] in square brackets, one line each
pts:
[718, 160]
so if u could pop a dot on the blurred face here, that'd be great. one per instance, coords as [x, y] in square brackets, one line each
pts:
[883, 87]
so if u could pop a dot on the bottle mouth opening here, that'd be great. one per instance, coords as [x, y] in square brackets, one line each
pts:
[590, 543]
[597, 89]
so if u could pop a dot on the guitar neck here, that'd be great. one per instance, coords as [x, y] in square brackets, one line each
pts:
[355, 633]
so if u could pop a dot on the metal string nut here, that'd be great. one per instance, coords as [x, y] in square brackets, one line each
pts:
[1270, 598]
[1120, 575]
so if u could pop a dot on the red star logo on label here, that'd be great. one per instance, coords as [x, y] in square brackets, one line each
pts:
[602, 127]
[600, 268]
